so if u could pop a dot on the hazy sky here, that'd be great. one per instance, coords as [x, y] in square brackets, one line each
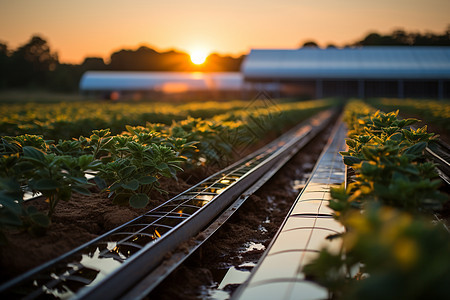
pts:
[80, 28]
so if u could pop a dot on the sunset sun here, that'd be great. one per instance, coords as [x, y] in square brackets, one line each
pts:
[198, 57]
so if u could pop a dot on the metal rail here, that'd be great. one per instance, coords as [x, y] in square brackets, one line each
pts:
[109, 265]
[439, 152]
[153, 279]
[304, 232]
[278, 274]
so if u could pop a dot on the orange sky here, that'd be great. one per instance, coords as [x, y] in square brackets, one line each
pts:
[76, 29]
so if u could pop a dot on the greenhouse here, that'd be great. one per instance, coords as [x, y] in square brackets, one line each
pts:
[363, 72]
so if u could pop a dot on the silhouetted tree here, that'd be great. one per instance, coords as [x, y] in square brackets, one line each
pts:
[4, 65]
[310, 44]
[147, 59]
[31, 63]
[65, 78]
[143, 59]
[93, 63]
[174, 61]
[217, 63]
[403, 38]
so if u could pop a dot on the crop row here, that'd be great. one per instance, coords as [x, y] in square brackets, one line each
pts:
[65, 120]
[435, 112]
[128, 165]
[391, 249]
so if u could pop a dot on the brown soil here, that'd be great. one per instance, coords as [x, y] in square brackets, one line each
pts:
[84, 218]
[256, 221]
[74, 223]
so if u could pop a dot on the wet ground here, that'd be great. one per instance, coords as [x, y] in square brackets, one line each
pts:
[227, 258]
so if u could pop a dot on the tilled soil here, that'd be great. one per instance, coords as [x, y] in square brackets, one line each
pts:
[74, 223]
[84, 218]
[242, 240]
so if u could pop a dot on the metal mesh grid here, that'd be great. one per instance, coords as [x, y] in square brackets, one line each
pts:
[91, 263]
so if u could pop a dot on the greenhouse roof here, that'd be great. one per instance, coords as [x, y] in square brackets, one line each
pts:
[348, 63]
[160, 81]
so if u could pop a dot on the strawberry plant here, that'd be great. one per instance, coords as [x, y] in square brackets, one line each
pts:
[434, 111]
[388, 160]
[132, 176]
[386, 254]
[65, 120]
[383, 246]
[129, 164]
[57, 176]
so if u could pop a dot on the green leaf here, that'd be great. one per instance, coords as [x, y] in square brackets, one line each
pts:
[411, 169]
[368, 168]
[32, 210]
[115, 186]
[147, 180]
[127, 171]
[84, 161]
[9, 203]
[81, 190]
[130, 129]
[416, 149]
[11, 219]
[65, 193]
[162, 166]
[351, 160]
[369, 153]
[396, 136]
[80, 180]
[40, 219]
[131, 185]
[397, 176]
[45, 184]
[411, 121]
[121, 199]
[100, 183]
[106, 159]
[351, 143]
[139, 200]
[94, 137]
[33, 153]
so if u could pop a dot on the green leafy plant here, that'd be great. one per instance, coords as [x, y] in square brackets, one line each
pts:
[131, 177]
[131, 163]
[388, 160]
[386, 253]
[57, 176]
[436, 112]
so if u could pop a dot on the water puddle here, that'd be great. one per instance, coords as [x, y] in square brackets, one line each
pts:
[230, 279]
[251, 246]
[262, 229]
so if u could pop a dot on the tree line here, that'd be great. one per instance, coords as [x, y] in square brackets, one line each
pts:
[396, 38]
[35, 66]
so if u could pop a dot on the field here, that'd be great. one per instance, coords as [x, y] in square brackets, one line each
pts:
[141, 154]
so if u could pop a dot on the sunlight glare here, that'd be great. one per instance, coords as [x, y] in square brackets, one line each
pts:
[198, 57]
